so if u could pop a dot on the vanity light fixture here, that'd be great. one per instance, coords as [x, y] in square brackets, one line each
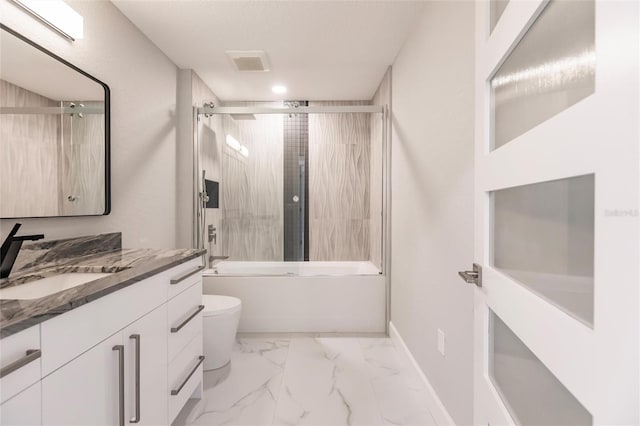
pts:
[56, 14]
[235, 145]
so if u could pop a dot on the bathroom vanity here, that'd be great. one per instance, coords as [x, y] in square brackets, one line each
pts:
[122, 348]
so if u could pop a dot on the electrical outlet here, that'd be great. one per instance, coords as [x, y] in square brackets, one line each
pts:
[441, 342]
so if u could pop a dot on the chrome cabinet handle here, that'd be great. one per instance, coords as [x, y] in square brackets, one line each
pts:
[136, 418]
[185, 322]
[32, 355]
[120, 349]
[177, 391]
[186, 275]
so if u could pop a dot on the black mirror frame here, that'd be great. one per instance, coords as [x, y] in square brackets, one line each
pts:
[107, 125]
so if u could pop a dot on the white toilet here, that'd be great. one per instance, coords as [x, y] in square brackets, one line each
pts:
[220, 318]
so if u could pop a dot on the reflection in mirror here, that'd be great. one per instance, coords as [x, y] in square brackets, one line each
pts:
[54, 134]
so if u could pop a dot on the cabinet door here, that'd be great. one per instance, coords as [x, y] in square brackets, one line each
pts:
[23, 409]
[85, 391]
[146, 398]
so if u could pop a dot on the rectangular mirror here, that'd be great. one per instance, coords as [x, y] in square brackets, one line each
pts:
[54, 134]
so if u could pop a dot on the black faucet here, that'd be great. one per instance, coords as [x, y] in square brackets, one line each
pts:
[11, 247]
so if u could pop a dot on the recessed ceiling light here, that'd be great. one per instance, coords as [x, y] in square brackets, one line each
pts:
[279, 89]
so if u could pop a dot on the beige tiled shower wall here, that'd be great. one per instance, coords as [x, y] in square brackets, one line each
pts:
[28, 155]
[339, 185]
[251, 190]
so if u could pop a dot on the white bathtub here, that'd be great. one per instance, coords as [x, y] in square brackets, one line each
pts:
[303, 296]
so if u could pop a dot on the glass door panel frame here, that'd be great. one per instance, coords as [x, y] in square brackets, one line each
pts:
[578, 141]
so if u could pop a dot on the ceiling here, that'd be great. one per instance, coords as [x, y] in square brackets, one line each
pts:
[319, 50]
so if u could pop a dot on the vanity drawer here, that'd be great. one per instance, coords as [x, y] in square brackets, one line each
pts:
[185, 375]
[68, 335]
[184, 276]
[20, 360]
[184, 318]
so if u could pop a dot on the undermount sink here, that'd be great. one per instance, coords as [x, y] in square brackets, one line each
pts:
[49, 285]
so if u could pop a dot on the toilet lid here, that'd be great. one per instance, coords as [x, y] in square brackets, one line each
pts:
[216, 304]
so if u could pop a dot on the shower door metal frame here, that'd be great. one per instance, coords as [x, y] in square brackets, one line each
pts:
[385, 230]
[292, 110]
[197, 236]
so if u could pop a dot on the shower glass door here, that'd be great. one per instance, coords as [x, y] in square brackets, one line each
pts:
[299, 185]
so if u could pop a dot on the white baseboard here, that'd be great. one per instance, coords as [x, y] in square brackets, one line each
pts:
[436, 407]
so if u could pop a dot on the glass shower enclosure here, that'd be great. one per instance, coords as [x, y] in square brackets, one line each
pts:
[293, 181]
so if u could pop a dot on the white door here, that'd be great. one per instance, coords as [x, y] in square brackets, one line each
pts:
[86, 391]
[146, 398]
[556, 198]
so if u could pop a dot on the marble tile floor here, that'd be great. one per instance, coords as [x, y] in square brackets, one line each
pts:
[304, 380]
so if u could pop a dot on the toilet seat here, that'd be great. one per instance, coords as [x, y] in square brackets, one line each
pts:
[217, 305]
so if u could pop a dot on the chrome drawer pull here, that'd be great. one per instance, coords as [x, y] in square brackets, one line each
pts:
[136, 418]
[32, 355]
[120, 349]
[192, 316]
[177, 391]
[186, 275]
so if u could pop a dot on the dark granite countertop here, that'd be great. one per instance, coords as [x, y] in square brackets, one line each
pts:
[101, 253]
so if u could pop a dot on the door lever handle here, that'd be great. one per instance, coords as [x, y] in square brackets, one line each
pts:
[474, 276]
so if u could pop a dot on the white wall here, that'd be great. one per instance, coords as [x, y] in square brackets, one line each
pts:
[432, 199]
[143, 140]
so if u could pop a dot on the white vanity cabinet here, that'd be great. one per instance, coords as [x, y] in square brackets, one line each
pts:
[107, 362]
[86, 390]
[145, 343]
[20, 378]
[23, 409]
[185, 355]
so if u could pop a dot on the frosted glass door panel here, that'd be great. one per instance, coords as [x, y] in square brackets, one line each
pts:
[543, 238]
[550, 69]
[531, 393]
[496, 7]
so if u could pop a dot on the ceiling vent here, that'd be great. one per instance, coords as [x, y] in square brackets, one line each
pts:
[249, 60]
